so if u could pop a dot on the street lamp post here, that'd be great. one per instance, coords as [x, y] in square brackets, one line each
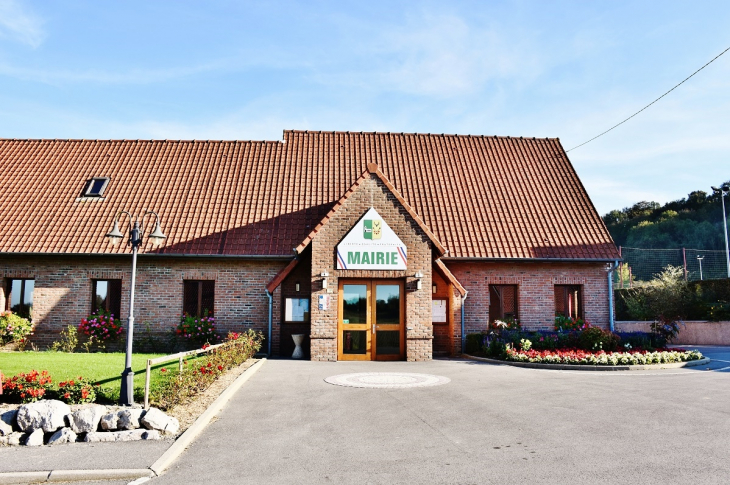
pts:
[699, 260]
[723, 191]
[136, 236]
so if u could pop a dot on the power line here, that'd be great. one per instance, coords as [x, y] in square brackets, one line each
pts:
[645, 107]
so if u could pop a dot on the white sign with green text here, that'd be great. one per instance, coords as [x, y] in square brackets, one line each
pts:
[371, 244]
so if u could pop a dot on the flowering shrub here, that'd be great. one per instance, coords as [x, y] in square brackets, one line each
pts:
[596, 339]
[76, 391]
[197, 377]
[578, 357]
[199, 330]
[508, 323]
[28, 387]
[14, 328]
[567, 324]
[100, 328]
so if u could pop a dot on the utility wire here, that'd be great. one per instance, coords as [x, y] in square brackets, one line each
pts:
[645, 107]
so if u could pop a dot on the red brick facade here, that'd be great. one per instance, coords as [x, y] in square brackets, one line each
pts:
[62, 294]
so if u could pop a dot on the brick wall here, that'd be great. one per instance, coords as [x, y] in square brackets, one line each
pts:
[419, 331]
[535, 297]
[62, 293]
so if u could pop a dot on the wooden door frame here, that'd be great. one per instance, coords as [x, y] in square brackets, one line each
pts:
[371, 343]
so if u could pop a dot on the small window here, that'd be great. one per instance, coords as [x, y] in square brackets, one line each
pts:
[568, 301]
[502, 302]
[198, 297]
[20, 297]
[296, 310]
[96, 186]
[107, 296]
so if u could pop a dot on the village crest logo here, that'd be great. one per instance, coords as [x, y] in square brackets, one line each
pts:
[372, 244]
[372, 229]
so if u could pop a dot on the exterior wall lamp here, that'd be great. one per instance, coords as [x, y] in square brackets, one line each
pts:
[324, 276]
[419, 277]
[136, 237]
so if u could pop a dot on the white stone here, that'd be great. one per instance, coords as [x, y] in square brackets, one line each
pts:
[129, 418]
[101, 436]
[7, 422]
[86, 419]
[14, 439]
[35, 438]
[63, 435]
[46, 415]
[109, 421]
[156, 419]
[151, 434]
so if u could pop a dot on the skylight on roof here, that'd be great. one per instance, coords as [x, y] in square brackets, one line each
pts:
[96, 186]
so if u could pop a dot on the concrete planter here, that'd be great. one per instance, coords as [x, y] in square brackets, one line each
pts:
[692, 333]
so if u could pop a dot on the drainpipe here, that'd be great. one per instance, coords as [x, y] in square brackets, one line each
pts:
[463, 336]
[271, 311]
[611, 269]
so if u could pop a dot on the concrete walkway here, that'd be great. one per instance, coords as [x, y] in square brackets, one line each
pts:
[490, 424]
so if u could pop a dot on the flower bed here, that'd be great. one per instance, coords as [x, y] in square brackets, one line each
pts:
[583, 357]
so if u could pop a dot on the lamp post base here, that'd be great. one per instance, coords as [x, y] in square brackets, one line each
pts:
[126, 393]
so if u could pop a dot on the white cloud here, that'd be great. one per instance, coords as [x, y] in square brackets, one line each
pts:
[19, 24]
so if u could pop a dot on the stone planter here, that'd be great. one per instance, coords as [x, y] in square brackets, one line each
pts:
[298, 353]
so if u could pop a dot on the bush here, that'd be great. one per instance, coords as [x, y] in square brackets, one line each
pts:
[595, 339]
[28, 387]
[99, 329]
[177, 389]
[76, 391]
[508, 323]
[14, 328]
[568, 324]
[475, 342]
[68, 343]
[641, 341]
[198, 330]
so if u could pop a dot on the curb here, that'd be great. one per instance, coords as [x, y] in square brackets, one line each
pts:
[173, 452]
[74, 475]
[142, 474]
[535, 365]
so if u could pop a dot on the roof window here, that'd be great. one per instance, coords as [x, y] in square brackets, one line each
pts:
[96, 186]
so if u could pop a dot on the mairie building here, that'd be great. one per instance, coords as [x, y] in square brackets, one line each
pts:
[374, 246]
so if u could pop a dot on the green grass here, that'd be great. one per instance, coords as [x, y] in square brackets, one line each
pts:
[104, 369]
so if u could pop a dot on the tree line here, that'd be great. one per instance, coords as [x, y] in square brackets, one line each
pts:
[692, 222]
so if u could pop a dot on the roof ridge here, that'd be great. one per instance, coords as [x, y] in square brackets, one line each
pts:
[137, 140]
[415, 133]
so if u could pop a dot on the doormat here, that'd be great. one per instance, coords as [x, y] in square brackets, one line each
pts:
[387, 380]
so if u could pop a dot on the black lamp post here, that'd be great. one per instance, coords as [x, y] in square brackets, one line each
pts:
[723, 191]
[136, 235]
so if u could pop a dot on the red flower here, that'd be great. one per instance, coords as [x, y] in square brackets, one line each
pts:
[220, 367]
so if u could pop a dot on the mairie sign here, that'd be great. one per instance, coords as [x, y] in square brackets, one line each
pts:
[371, 244]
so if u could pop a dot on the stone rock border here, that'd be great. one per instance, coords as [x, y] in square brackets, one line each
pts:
[535, 365]
[144, 474]
[387, 380]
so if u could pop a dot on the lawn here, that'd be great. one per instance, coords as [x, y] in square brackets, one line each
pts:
[102, 368]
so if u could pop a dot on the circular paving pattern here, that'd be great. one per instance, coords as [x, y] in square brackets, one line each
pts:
[387, 380]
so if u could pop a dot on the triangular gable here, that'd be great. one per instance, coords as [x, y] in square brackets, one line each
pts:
[372, 170]
[372, 244]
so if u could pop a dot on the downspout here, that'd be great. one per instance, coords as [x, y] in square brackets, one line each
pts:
[463, 336]
[271, 311]
[611, 269]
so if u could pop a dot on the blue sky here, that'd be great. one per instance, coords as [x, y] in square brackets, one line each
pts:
[248, 70]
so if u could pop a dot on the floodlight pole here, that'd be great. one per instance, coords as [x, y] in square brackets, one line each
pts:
[136, 232]
[723, 190]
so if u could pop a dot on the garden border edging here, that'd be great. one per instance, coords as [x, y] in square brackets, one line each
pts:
[535, 365]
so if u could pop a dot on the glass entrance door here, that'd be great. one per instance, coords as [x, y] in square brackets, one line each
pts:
[371, 320]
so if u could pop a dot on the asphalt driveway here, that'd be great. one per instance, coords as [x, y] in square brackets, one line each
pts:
[490, 424]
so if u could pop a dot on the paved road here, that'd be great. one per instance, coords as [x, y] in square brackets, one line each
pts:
[490, 424]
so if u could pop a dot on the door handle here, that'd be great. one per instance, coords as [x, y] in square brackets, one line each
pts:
[373, 329]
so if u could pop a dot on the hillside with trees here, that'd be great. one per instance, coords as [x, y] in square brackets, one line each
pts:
[692, 222]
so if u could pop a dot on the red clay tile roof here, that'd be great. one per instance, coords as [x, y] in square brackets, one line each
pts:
[482, 197]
